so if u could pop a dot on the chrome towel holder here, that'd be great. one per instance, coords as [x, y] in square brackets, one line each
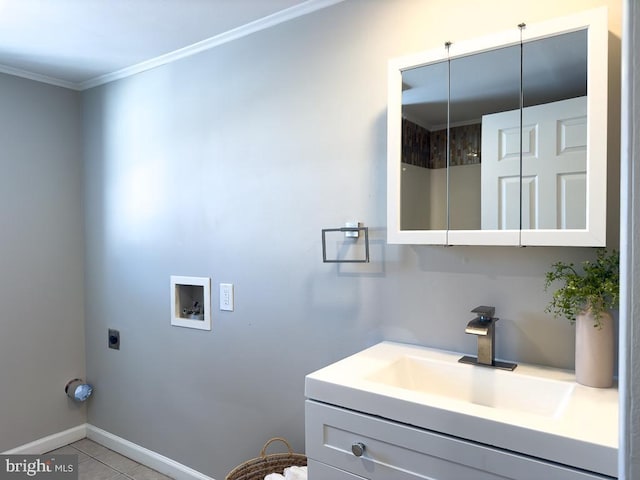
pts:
[351, 231]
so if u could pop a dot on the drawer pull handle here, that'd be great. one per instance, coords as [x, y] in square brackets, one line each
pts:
[358, 449]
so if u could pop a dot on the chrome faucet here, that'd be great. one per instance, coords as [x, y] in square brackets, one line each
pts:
[483, 326]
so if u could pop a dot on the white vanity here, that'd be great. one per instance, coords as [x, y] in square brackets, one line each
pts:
[397, 411]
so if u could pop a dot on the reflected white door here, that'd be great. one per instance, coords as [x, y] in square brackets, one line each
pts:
[554, 164]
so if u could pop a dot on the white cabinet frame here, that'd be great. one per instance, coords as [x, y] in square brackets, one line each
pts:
[594, 235]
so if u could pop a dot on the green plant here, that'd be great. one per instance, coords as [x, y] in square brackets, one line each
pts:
[595, 287]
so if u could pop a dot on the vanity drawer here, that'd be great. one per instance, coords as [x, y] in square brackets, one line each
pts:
[322, 471]
[395, 451]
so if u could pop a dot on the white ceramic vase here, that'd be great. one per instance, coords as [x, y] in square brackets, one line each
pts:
[594, 350]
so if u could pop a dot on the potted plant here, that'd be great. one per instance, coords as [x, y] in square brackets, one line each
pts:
[585, 298]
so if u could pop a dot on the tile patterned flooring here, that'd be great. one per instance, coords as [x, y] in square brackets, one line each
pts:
[96, 462]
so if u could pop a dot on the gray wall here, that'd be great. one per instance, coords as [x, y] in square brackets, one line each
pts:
[228, 164]
[41, 260]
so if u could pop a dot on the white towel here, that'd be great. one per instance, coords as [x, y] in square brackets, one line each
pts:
[274, 476]
[295, 473]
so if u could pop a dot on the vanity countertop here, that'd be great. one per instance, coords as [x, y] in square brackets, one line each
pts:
[580, 429]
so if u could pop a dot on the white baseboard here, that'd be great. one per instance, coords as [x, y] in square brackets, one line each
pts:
[129, 449]
[143, 455]
[52, 442]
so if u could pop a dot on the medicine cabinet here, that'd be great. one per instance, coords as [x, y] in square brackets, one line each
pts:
[502, 140]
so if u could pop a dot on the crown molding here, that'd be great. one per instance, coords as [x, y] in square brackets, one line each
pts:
[17, 72]
[226, 37]
[262, 24]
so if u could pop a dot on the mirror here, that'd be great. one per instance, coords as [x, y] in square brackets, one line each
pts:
[554, 132]
[483, 86]
[423, 204]
[513, 113]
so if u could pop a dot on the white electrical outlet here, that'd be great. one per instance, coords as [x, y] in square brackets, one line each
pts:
[226, 297]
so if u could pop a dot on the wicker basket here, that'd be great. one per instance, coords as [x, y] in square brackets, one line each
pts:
[258, 468]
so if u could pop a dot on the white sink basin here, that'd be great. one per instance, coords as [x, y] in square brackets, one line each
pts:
[477, 385]
[535, 410]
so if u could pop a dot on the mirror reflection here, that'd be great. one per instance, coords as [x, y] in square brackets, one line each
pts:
[423, 180]
[554, 132]
[483, 186]
[483, 86]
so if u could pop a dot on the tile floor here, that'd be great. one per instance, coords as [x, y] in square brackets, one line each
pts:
[96, 462]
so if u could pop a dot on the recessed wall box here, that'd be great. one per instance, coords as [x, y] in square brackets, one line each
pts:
[191, 302]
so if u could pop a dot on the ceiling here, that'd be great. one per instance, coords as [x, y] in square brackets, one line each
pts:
[83, 43]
